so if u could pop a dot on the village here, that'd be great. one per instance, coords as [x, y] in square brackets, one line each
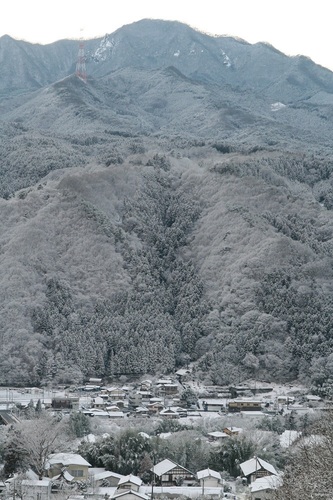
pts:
[177, 398]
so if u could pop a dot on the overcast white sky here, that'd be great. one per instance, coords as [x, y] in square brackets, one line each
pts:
[292, 26]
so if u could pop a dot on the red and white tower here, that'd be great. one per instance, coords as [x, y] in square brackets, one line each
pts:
[81, 63]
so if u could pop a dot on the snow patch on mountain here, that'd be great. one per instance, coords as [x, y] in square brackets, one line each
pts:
[226, 59]
[276, 106]
[106, 46]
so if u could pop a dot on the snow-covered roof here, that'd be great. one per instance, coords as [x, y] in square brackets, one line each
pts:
[254, 464]
[130, 479]
[170, 411]
[201, 474]
[131, 492]
[36, 482]
[163, 467]
[106, 474]
[68, 476]
[218, 434]
[266, 483]
[66, 459]
[234, 429]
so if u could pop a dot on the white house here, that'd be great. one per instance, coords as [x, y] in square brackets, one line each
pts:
[209, 478]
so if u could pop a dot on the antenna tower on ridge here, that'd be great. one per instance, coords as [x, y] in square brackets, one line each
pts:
[81, 63]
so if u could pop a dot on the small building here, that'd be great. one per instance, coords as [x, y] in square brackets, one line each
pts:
[167, 389]
[65, 403]
[116, 393]
[72, 463]
[169, 473]
[244, 405]
[170, 413]
[99, 402]
[146, 385]
[106, 479]
[116, 414]
[255, 468]
[214, 405]
[35, 488]
[155, 408]
[285, 400]
[141, 411]
[209, 478]
[263, 488]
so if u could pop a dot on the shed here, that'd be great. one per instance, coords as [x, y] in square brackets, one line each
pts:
[209, 478]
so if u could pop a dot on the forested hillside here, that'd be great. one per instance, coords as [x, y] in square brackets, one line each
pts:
[151, 217]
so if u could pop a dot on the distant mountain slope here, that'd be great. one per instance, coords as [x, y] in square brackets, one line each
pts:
[156, 44]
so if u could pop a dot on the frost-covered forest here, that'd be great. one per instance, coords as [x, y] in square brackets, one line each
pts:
[150, 218]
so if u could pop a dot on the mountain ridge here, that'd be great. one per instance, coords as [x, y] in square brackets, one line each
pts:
[164, 212]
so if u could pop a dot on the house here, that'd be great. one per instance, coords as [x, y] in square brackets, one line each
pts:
[169, 473]
[32, 489]
[116, 414]
[65, 403]
[214, 405]
[116, 394]
[257, 467]
[141, 411]
[244, 405]
[170, 413]
[106, 478]
[155, 407]
[129, 482]
[73, 464]
[167, 389]
[146, 385]
[209, 478]
[99, 402]
[263, 488]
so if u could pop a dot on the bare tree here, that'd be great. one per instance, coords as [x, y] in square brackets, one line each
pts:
[35, 440]
[309, 473]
